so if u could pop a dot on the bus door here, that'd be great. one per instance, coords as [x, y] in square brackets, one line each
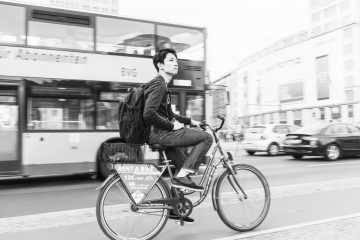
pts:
[9, 130]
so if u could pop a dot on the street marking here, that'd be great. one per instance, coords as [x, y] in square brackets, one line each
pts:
[48, 189]
[289, 227]
[87, 215]
[330, 164]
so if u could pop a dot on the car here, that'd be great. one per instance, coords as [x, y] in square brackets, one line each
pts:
[331, 140]
[266, 138]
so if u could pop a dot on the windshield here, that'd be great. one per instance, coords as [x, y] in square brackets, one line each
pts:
[311, 130]
[255, 129]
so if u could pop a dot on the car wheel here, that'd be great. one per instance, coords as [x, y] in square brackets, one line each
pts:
[273, 149]
[332, 152]
[297, 156]
[250, 152]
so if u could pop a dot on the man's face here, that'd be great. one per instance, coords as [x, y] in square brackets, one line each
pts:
[170, 65]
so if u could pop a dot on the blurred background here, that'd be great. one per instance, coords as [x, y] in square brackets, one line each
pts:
[284, 73]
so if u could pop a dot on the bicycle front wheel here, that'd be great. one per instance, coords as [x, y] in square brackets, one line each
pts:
[119, 220]
[242, 206]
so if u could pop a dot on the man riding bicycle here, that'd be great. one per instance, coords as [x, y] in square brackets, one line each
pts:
[167, 128]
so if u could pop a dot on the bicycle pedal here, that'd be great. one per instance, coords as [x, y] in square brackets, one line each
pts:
[179, 223]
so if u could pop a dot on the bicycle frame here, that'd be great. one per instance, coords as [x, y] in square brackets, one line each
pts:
[142, 181]
[207, 178]
[211, 168]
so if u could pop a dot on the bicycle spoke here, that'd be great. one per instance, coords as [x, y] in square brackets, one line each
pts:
[245, 209]
[120, 219]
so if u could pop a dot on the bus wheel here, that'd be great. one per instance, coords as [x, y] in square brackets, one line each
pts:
[103, 170]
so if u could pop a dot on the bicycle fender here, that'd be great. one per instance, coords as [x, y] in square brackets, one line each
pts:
[106, 181]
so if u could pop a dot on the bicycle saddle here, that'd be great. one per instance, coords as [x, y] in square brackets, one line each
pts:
[157, 147]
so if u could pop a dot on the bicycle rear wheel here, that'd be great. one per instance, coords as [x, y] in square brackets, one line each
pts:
[242, 210]
[119, 221]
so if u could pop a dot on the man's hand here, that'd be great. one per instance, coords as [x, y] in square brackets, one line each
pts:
[177, 125]
[195, 123]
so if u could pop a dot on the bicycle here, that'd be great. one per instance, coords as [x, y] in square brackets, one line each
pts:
[238, 185]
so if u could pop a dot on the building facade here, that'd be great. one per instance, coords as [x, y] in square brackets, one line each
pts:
[310, 76]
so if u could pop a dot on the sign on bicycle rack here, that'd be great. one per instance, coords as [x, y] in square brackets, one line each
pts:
[138, 178]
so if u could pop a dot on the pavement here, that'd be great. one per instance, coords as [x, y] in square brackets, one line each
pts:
[345, 227]
[339, 228]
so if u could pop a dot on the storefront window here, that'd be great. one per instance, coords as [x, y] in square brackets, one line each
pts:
[292, 92]
[297, 118]
[60, 114]
[124, 36]
[351, 111]
[322, 113]
[12, 24]
[271, 118]
[335, 113]
[195, 107]
[283, 118]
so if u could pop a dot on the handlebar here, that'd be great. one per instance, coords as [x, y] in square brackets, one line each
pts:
[203, 125]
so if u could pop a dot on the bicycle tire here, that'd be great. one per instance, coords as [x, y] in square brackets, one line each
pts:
[254, 193]
[104, 214]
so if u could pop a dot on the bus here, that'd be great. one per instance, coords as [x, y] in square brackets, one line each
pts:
[62, 74]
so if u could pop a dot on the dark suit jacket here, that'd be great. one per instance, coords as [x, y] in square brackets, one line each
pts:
[157, 110]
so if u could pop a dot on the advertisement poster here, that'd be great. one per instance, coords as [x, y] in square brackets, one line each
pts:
[138, 178]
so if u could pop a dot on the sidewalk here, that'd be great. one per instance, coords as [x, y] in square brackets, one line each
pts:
[339, 228]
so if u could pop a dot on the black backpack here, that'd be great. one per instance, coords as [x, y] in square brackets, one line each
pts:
[132, 126]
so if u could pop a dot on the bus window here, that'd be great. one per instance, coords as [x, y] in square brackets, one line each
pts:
[188, 43]
[107, 110]
[123, 36]
[175, 103]
[107, 115]
[60, 36]
[12, 24]
[195, 107]
[60, 114]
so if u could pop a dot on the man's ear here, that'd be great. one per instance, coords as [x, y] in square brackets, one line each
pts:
[160, 65]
